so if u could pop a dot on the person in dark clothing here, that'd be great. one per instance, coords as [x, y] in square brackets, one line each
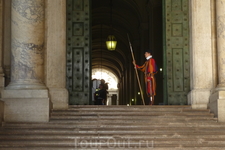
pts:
[100, 95]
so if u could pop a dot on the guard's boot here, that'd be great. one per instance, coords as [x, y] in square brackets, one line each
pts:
[152, 100]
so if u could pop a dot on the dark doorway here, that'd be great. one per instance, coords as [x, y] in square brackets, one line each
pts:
[142, 20]
[160, 25]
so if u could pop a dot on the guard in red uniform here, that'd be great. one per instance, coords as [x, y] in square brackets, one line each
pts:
[150, 69]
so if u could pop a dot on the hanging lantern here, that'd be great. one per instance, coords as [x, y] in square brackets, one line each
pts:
[111, 42]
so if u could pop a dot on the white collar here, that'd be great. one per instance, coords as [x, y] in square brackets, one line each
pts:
[149, 57]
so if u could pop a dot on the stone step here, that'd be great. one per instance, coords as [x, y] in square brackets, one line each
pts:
[211, 124]
[132, 118]
[215, 136]
[114, 148]
[124, 118]
[164, 127]
[183, 136]
[125, 143]
[118, 131]
[121, 121]
[129, 109]
[125, 108]
[124, 113]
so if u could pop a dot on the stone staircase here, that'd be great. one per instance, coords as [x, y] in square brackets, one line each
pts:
[118, 127]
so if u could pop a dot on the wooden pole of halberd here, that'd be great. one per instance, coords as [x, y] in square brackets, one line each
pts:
[142, 97]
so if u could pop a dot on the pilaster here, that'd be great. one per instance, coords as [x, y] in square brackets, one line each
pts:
[220, 20]
[55, 56]
[2, 81]
[217, 99]
[201, 54]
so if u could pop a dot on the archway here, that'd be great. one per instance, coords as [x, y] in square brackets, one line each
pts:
[99, 74]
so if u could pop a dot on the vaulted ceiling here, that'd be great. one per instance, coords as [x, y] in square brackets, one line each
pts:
[129, 17]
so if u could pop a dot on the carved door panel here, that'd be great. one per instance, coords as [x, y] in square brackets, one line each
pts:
[78, 52]
[176, 51]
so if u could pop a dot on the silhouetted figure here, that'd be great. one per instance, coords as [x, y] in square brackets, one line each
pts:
[100, 95]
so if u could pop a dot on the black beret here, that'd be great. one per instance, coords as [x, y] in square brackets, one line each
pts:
[149, 51]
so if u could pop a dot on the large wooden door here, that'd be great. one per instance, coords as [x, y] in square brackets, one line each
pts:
[78, 52]
[176, 51]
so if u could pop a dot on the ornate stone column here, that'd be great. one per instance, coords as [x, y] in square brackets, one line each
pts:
[217, 99]
[26, 97]
[27, 44]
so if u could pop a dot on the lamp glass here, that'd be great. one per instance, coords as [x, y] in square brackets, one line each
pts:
[111, 42]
